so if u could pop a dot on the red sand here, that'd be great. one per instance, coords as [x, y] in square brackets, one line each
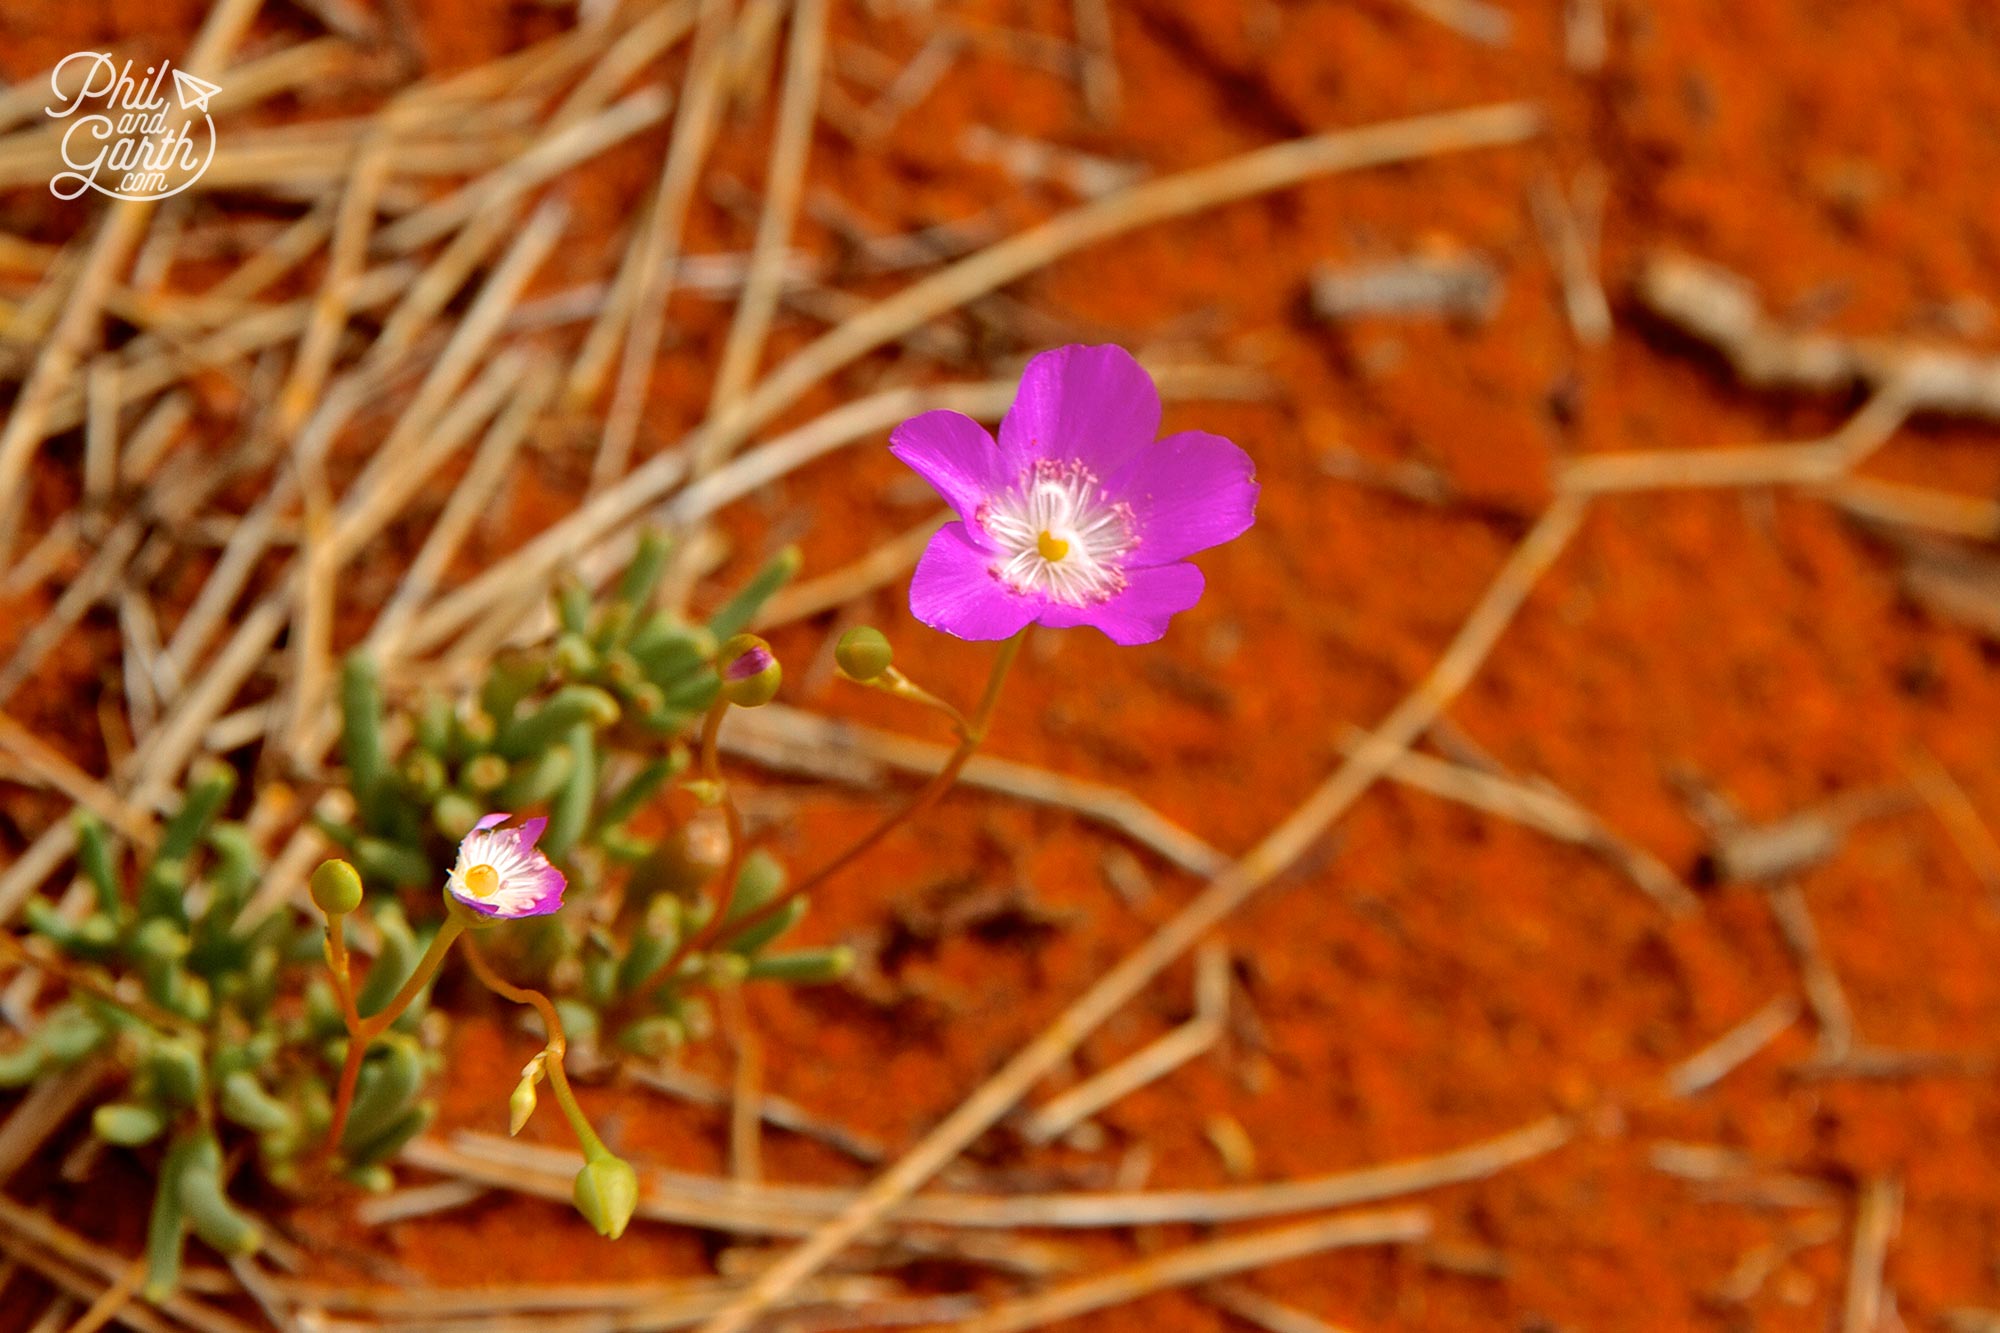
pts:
[1431, 977]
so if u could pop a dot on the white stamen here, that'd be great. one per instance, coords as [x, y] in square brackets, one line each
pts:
[1058, 510]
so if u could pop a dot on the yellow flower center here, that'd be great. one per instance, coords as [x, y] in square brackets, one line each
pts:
[480, 881]
[1051, 546]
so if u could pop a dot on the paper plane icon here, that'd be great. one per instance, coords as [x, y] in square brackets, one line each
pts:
[194, 93]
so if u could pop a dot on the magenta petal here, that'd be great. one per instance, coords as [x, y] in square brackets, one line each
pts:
[530, 833]
[1092, 404]
[1139, 613]
[488, 821]
[954, 590]
[1188, 492]
[956, 456]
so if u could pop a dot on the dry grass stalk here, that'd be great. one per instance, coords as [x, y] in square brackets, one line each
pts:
[406, 1205]
[1814, 464]
[1198, 1263]
[1961, 819]
[1968, 516]
[789, 739]
[775, 1111]
[1568, 224]
[646, 276]
[1199, 1034]
[1253, 1307]
[1877, 1215]
[119, 234]
[1278, 850]
[784, 186]
[1824, 993]
[1478, 20]
[66, 1277]
[1719, 308]
[1541, 806]
[883, 565]
[1708, 1066]
[45, 764]
[47, 1107]
[468, 504]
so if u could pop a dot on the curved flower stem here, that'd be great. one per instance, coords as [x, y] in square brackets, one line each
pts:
[555, 1048]
[895, 683]
[361, 1031]
[337, 963]
[971, 733]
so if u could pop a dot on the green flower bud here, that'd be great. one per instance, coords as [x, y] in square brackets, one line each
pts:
[864, 653]
[749, 670]
[607, 1190]
[521, 1104]
[336, 887]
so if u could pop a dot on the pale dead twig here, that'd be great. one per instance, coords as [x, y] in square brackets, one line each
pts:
[1586, 35]
[1877, 1215]
[85, 1256]
[1256, 1308]
[1568, 231]
[1760, 1263]
[1812, 465]
[100, 434]
[882, 565]
[1457, 286]
[83, 1286]
[1037, 161]
[643, 284]
[1730, 1175]
[1484, 23]
[351, 228]
[1711, 1063]
[1297, 833]
[784, 185]
[793, 740]
[119, 234]
[1059, 1115]
[1747, 853]
[49, 765]
[98, 579]
[775, 1111]
[1539, 805]
[912, 84]
[113, 1299]
[1254, 173]
[568, 146]
[1721, 309]
[1198, 1263]
[1092, 21]
[47, 1107]
[1960, 817]
[797, 1209]
[1921, 507]
[405, 1205]
[1824, 993]
[467, 505]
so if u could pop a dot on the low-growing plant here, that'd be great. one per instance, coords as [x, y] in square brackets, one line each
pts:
[230, 1028]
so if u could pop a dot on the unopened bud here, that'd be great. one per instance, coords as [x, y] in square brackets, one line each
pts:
[336, 887]
[521, 1104]
[606, 1192]
[864, 653]
[749, 670]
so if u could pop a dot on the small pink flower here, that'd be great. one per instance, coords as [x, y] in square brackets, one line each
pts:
[500, 873]
[1077, 515]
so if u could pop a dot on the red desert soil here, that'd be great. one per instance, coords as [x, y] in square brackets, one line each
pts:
[1430, 976]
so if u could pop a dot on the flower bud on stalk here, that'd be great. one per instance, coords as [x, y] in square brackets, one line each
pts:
[336, 887]
[864, 653]
[749, 670]
[606, 1193]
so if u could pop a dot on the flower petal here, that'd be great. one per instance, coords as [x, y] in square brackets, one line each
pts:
[957, 456]
[1093, 404]
[1139, 613]
[530, 833]
[1188, 492]
[954, 590]
[488, 821]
